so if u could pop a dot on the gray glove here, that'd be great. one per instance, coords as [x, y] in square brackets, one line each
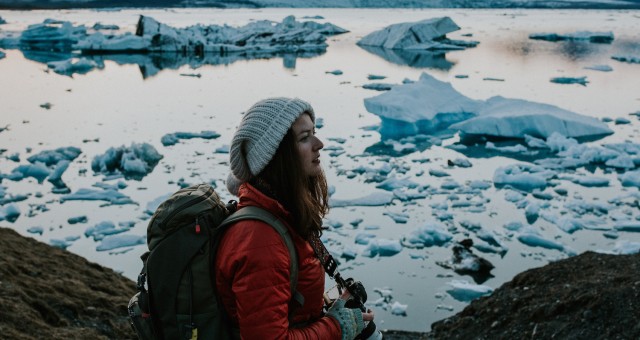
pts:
[350, 319]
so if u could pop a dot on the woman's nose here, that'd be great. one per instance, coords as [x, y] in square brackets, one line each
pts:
[317, 144]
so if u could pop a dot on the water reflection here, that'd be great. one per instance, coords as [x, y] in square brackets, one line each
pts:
[418, 59]
[153, 63]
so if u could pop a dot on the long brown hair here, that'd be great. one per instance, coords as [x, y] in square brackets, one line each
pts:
[306, 198]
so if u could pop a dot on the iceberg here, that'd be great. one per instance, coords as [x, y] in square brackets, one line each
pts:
[382, 247]
[426, 105]
[111, 196]
[258, 36]
[373, 199]
[570, 80]
[534, 239]
[515, 118]
[430, 234]
[120, 241]
[51, 35]
[525, 177]
[135, 161]
[52, 157]
[429, 34]
[631, 179]
[594, 37]
[627, 59]
[173, 138]
[464, 291]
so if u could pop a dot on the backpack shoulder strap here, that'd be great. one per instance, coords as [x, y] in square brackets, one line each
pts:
[256, 213]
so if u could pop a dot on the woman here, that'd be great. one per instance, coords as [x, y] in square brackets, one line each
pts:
[275, 165]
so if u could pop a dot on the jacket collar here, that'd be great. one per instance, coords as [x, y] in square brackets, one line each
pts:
[251, 196]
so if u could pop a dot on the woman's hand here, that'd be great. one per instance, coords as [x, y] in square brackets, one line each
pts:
[368, 316]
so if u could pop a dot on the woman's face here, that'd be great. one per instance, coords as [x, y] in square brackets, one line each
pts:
[307, 145]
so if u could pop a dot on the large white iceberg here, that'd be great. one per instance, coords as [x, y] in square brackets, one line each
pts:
[425, 105]
[515, 118]
[258, 36]
[427, 34]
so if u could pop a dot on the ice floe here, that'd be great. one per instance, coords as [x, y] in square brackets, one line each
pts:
[377, 198]
[464, 291]
[522, 176]
[120, 241]
[428, 34]
[515, 118]
[424, 106]
[627, 59]
[135, 161]
[533, 238]
[594, 37]
[9, 212]
[623, 247]
[174, 138]
[430, 234]
[111, 196]
[570, 80]
[382, 247]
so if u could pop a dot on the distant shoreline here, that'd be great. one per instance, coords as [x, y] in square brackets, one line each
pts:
[453, 4]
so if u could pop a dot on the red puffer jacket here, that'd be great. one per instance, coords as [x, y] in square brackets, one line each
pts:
[253, 278]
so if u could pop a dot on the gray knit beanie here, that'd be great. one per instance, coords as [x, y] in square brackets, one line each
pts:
[259, 134]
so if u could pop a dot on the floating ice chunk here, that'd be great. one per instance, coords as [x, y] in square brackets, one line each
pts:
[630, 226]
[480, 184]
[594, 37]
[570, 80]
[438, 173]
[508, 149]
[72, 66]
[56, 175]
[349, 253]
[64, 243]
[36, 230]
[393, 183]
[627, 59]
[334, 72]
[399, 309]
[126, 42]
[100, 26]
[173, 138]
[375, 77]
[430, 234]
[515, 118]
[53, 157]
[464, 291]
[382, 247]
[601, 68]
[120, 241]
[567, 224]
[450, 184]
[591, 181]
[38, 170]
[623, 247]
[9, 212]
[533, 239]
[378, 198]
[77, 219]
[52, 33]
[513, 196]
[135, 161]
[223, 149]
[364, 238]
[84, 194]
[105, 228]
[397, 217]
[522, 176]
[622, 121]
[426, 105]
[333, 223]
[513, 226]
[631, 179]
[426, 34]
[460, 162]
[378, 86]
[621, 162]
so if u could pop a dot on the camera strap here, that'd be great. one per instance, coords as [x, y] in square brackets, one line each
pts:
[326, 259]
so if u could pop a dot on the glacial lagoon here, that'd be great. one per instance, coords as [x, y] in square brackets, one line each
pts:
[139, 99]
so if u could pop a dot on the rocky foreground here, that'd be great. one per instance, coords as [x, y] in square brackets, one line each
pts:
[50, 293]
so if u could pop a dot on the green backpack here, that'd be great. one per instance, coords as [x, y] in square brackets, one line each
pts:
[179, 300]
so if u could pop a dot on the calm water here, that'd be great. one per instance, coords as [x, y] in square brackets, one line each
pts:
[119, 104]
